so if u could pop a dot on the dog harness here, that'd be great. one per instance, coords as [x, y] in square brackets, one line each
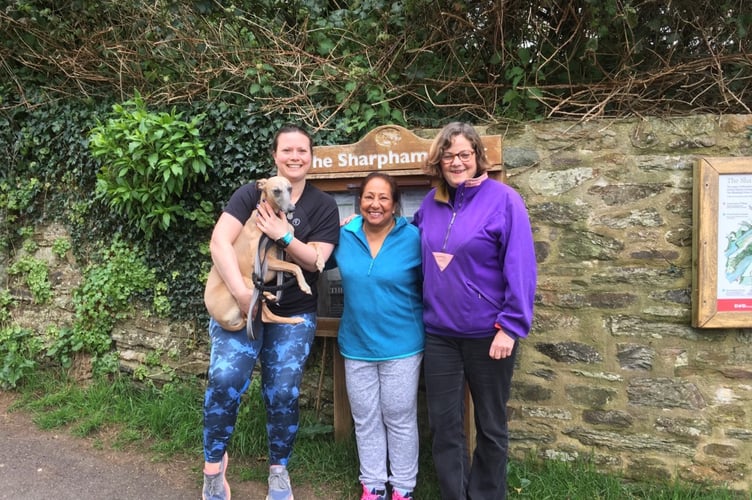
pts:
[260, 268]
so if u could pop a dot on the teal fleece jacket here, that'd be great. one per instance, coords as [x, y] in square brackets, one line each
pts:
[383, 307]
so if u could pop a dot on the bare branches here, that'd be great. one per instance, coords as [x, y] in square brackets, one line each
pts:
[443, 66]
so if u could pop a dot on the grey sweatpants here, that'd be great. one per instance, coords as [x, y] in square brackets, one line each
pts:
[384, 401]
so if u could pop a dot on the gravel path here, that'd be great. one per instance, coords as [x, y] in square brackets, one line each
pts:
[38, 464]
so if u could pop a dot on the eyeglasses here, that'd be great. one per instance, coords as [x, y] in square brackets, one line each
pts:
[464, 156]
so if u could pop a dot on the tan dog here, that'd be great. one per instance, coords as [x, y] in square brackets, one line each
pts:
[219, 302]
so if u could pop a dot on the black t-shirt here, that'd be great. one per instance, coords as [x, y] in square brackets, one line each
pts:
[316, 218]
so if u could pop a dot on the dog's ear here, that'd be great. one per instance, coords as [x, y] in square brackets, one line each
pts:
[261, 184]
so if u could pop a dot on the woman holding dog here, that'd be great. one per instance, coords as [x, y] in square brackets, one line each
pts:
[282, 349]
[379, 260]
[479, 273]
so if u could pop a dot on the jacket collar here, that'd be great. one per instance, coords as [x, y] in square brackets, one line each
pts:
[442, 191]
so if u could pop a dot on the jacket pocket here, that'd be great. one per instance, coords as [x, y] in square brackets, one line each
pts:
[481, 295]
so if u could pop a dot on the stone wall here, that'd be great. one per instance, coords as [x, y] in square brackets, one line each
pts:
[612, 369]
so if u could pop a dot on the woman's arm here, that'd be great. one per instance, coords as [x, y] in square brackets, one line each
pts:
[276, 226]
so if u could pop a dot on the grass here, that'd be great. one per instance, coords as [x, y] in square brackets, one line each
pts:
[167, 421]
[551, 479]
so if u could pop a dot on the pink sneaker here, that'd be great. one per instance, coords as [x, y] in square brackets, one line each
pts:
[373, 494]
[396, 495]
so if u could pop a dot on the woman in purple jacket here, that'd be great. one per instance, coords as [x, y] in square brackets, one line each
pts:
[478, 291]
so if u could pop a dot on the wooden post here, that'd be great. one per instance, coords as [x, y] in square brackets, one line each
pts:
[343, 423]
[327, 327]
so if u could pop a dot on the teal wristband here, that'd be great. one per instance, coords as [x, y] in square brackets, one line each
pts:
[285, 240]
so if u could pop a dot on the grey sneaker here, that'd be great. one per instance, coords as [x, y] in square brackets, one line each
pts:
[279, 484]
[216, 486]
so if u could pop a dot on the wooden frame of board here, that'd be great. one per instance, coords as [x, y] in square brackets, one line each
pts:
[722, 243]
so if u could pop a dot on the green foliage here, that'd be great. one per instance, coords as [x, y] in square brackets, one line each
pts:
[35, 273]
[153, 369]
[60, 348]
[6, 303]
[107, 292]
[149, 160]
[60, 247]
[49, 172]
[16, 202]
[19, 349]
[522, 100]
[30, 246]
[161, 302]
[536, 479]
[105, 296]
[19, 199]
[46, 150]
[239, 148]
[51, 175]
[361, 89]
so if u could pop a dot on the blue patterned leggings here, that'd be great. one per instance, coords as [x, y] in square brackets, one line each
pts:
[282, 351]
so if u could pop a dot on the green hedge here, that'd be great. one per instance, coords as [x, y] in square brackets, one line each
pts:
[51, 176]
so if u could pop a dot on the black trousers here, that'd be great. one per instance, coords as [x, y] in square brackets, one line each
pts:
[448, 363]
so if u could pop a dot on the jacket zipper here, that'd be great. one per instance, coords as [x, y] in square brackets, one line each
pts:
[364, 244]
[458, 202]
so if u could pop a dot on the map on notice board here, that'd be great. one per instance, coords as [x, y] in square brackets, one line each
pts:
[735, 243]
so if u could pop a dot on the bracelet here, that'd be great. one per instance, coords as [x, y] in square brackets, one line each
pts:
[285, 240]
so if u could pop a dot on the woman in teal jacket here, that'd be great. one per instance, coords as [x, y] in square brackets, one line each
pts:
[381, 337]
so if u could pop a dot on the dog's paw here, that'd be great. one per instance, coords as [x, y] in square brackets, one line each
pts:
[319, 258]
[233, 324]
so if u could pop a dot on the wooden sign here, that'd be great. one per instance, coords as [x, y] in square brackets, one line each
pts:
[391, 149]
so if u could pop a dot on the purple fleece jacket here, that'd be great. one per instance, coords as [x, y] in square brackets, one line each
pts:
[484, 243]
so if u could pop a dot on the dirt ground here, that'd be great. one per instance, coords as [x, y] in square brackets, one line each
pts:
[39, 464]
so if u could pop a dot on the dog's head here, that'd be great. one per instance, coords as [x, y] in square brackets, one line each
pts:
[277, 191]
